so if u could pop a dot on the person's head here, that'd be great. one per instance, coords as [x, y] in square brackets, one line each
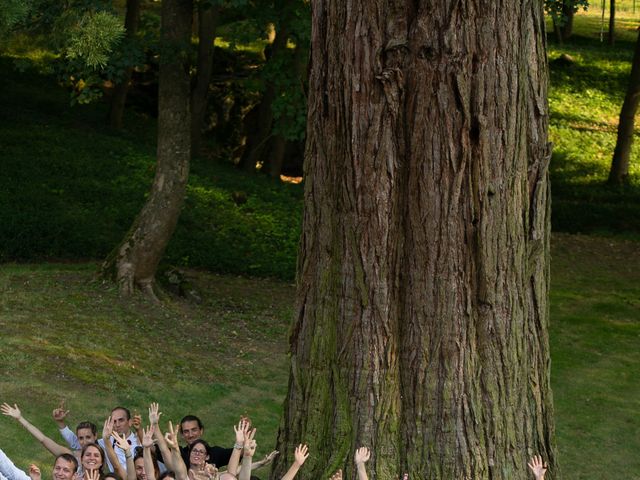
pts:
[138, 463]
[191, 429]
[86, 433]
[168, 475]
[111, 476]
[65, 467]
[121, 418]
[92, 457]
[198, 453]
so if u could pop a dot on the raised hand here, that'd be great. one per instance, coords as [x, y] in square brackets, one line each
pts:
[171, 437]
[337, 475]
[147, 436]
[205, 471]
[154, 414]
[269, 458]
[121, 441]
[136, 421]
[91, 475]
[362, 456]
[250, 443]
[538, 467]
[60, 413]
[10, 411]
[241, 431]
[301, 454]
[107, 429]
[34, 472]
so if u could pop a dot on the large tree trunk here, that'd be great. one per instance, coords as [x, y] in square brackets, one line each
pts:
[421, 326]
[619, 171]
[119, 97]
[134, 262]
[612, 22]
[258, 139]
[207, 23]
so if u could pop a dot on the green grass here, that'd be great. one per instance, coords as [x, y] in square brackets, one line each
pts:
[66, 335]
[71, 188]
[585, 100]
[595, 339]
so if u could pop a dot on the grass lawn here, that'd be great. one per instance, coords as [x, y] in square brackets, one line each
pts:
[585, 100]
[66, 335]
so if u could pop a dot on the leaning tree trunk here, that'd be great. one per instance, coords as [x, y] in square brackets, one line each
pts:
[207, 22]
[619, 171]
[612, 22]
[119, 97]
[134, 262]
[421, 326]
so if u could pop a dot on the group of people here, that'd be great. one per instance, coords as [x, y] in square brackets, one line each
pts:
[129, 451]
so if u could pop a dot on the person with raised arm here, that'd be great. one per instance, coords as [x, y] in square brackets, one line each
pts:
[121, 424]
[65, 467]
[111, 440]
[15, 413]
[147, 445]
[538, 467]
[360, 458]
[300, 455]
[173, 457]
[86, 432]
[247, 456]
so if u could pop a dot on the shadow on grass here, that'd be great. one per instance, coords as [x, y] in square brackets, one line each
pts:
[583, 203]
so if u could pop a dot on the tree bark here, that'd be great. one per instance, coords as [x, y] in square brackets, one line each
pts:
[207, 23]
[421, 324]
[119, 97]
[258, 139]
[612, 22]
[619, 172]
[568, 12]
[134, 262]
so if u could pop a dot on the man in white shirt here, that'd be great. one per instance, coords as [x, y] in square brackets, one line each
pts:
[121, 419]
[64, 468]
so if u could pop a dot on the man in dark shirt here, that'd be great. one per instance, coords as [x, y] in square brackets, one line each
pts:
[192, 429]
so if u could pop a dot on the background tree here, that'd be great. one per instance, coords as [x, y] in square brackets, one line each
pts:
[422, 298]
[619, 172]
[119, 95]
[135, 261]
[562, 13]
[279, 115]
[612, 22]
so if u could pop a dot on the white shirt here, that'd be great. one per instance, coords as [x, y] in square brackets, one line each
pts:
[72, 440]
[9, 471]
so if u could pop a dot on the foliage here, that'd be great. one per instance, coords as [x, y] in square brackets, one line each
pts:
[12, 12]
[80, 187]
[94, 38]
[557, 9]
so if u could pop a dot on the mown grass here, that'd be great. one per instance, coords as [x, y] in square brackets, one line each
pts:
[585, 100]
[66, 335]
[595, 340]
